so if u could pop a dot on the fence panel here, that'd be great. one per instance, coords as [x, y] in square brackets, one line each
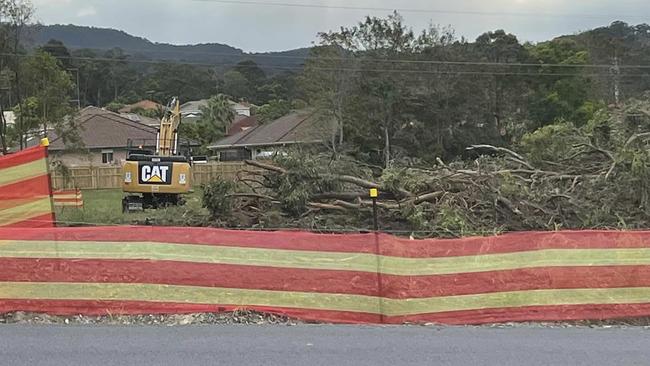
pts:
[110, 177]
[351, 278]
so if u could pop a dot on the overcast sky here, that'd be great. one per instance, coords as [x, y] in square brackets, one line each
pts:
[274, 28]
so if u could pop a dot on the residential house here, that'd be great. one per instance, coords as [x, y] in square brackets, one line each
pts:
[10, 117]
[106, 138]
[146, 105]
[242, 123]
[191, 111]
[262, 141]
[151, 122]
[241, 108]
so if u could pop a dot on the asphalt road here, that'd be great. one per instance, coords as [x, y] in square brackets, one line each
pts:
[321, 345]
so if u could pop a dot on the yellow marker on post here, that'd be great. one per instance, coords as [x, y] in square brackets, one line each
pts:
[45, 142]
[374, 194]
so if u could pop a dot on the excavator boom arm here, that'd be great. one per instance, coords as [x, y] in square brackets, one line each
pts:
[168, 132]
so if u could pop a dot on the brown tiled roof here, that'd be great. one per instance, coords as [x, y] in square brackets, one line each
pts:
[303, 126]
[193, 106]
[143, 104]
[104, 129]
[242, 123]
[152, 122]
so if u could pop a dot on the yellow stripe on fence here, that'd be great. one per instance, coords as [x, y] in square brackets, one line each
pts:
[325, 260]
[68, 204]
[26, 211]
[635, 295]
[22, 172]
[187, 295]
[73, 196]
[317, 301]
[189, 253]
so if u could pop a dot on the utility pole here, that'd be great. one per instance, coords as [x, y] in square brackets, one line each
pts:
[78, 100]
[616, 73]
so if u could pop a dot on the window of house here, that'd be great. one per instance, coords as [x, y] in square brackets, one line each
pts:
[107, 156]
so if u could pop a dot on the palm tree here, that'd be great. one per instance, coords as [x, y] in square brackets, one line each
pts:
[216, 118]
[218, 114]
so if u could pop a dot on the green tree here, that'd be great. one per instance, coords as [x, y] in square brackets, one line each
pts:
[216, 118]
[60, 51]
[256, 79]
[92, 75]
[119, 73]
[251, 71]
[48, 105]
[332, 93]
[218, 113]
[167, 80]
[104, 79]
[237, 85]
[502, 48]
[559, 96]
[115, 106]
[381, 110]
[15, 15]
[273, 110]
[282, 86]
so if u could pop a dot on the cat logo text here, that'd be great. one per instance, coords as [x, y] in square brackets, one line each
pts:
[159, 173]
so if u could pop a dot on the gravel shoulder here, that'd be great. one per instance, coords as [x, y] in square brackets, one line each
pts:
[245, 317]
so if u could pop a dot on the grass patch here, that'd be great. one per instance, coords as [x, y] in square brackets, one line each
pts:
[104, 207]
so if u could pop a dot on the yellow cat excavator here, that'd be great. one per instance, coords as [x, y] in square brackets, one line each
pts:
[160, 178]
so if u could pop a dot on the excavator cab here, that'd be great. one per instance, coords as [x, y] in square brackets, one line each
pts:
[153, 179]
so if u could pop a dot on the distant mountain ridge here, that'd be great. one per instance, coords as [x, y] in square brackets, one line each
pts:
[78, 37]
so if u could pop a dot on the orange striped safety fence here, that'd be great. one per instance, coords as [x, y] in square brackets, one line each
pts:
[352, 278]
[25, 193]
[68, 198]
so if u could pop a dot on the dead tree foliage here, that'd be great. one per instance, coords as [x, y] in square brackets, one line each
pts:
[559, 177]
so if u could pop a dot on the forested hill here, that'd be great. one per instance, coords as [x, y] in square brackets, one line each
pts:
[79, 37]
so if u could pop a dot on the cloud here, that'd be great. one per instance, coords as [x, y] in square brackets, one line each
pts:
[38, 3]
[86, 11]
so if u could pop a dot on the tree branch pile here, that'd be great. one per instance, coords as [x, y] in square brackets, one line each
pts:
[559, 177]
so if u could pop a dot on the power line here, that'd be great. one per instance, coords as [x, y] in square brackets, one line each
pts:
[381, 60]
[342, 69]
[421, 10]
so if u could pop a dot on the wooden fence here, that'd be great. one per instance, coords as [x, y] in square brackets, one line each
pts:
[101, 177]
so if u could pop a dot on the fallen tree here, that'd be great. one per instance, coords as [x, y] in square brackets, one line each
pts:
[559, 177]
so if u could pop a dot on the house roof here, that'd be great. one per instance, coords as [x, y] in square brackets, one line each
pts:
[143, 104]
[100, 128]
[194, 107]
[302, 126]
[239, 105]
[152, 122]
[242, 123]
